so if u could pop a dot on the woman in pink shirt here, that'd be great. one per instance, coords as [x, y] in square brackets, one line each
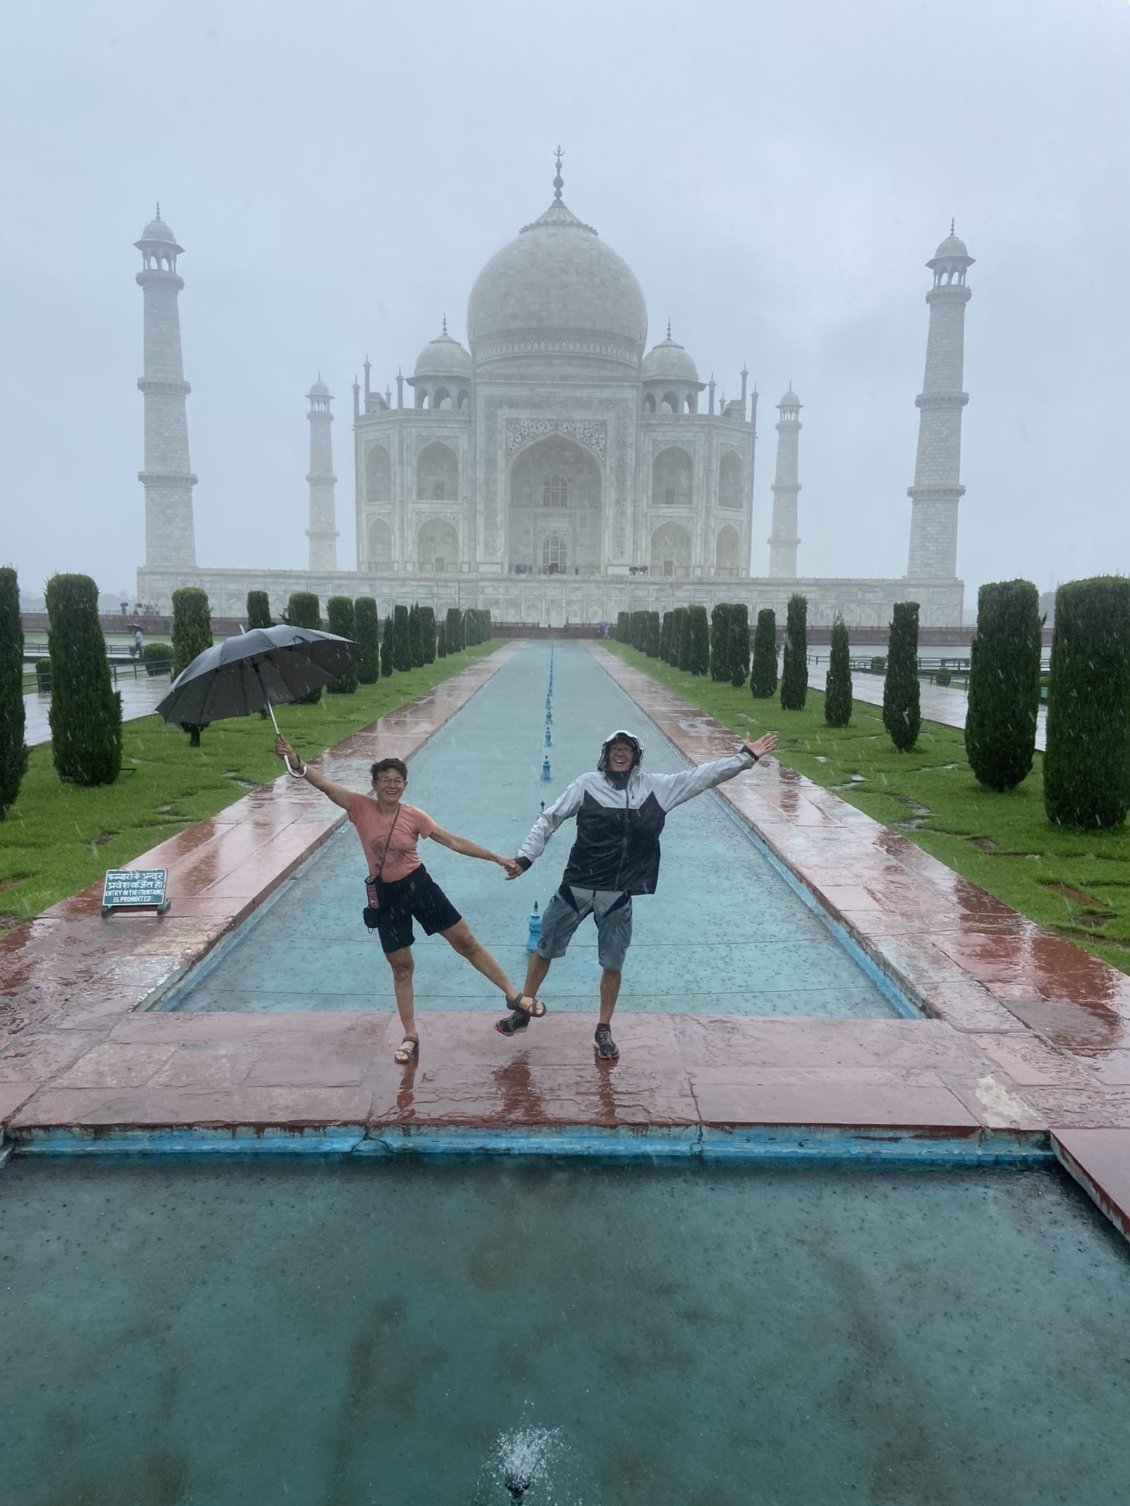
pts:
[400, 888]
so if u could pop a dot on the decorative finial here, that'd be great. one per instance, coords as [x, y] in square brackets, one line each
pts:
[951, 227]
[388, 396]
[668, 329]
[445, 324]
[157, 216]
[558, 180]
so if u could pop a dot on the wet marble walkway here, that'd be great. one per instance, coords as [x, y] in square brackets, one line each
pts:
[939, 703]
[1023, 1040]
[140, 695]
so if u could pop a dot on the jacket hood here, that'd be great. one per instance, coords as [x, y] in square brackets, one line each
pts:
[620, 735]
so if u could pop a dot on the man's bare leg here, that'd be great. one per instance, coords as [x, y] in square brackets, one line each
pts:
[603, 1043]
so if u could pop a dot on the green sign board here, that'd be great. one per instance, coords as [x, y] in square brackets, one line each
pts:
[135, 888]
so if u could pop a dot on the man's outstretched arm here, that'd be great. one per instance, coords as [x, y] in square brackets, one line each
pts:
[674, 789]
[567, 804]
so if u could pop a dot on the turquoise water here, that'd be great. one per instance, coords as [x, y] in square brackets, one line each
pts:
[723, 934]
[335, 1334]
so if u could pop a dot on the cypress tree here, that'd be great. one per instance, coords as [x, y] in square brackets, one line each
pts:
[428, 633]
[303, 610]
[837, 687]
[192, 634]
[665, 637]
[367, 625]
[700, 638]
[387, 665]
[902, 716]
[683, 639]
[623, 627]
[415, 636]
[1087, 761]
[401, 642]
[739, 644]
[1004, 684]
[720, 642]
[763, 672]
[340, 620]
[794, 668]
[454, 630]
[86, 712]
[13, 751]
[258, 610]
[441, 640]
[651, 639]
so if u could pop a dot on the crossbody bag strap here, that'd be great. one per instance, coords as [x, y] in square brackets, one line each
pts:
[384, 851]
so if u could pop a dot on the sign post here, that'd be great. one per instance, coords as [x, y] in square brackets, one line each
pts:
[135, 889]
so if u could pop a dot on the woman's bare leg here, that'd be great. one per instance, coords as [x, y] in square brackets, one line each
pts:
[463, 939]
[401, 964]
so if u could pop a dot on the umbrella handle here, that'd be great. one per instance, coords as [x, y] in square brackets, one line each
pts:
[299, 773]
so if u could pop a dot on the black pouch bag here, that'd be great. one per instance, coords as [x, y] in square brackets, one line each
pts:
[370, 912]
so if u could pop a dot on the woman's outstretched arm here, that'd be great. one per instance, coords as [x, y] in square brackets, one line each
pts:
[336, 792]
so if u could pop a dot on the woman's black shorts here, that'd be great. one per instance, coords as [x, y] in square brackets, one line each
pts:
[417, 897]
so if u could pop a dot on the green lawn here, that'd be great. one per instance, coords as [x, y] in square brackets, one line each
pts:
[58, 838]
[1073, 882]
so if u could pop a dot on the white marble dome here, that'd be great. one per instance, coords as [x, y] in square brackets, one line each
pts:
[442, 357]
[157, 230]
[669, 362]
[557, 297]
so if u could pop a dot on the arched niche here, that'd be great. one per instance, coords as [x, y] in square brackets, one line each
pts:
[379, 540]
[555, 489]
[378, 475]
[731, 480]
[437, 547]
[437, 473]
[672, 478]
[726, 548]
[670, 551]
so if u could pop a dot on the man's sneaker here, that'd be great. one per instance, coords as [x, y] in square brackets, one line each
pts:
[603, 1044]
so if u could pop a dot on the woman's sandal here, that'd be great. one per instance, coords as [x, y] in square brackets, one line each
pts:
[408, 1050]
[519, 1018]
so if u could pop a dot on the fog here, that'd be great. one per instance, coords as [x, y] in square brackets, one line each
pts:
[776, 177]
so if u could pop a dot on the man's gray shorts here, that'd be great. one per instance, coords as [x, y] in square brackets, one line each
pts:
[569, 906]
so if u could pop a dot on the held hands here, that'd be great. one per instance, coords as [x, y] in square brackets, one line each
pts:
[764, 744]
[513, 868]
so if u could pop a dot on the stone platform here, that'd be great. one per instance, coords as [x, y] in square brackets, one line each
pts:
[1023, 1048]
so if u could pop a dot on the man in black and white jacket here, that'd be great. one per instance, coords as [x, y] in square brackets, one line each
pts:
[620, 814]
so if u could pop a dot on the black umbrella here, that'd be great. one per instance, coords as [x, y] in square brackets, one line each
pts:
[258, 671]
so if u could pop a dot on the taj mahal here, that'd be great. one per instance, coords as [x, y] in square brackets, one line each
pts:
[554, 469]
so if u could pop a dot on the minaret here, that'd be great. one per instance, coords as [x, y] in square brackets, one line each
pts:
[322, 533]
[168, 480]
[936, 490]
[783, 540]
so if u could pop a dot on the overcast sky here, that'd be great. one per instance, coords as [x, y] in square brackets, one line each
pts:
[776, 176]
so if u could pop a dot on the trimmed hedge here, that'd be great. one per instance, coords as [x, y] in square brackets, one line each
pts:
[86, 712]
[739, 645]
[387, 665]
[401, 640]
[720, 642]
[258, 610]
[415, 636]
[454, 630]
[303, 610]
[837, 686]
[13, 750]
[428, 633]
[794, 669]
[1004, 684]
[368, 629]
[902, 713]
[1087, 758]
[340, 619]
[157, 658]
[763, 670]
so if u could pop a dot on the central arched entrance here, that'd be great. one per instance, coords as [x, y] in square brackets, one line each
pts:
[554, 509]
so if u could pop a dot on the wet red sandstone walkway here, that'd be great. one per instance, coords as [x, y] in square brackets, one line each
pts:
[1023, 1034]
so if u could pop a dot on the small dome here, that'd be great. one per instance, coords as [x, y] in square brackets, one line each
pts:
[669, 362]
[790, 399]
[319, 389]
[443, 356]
[953, 245]
[157, 230]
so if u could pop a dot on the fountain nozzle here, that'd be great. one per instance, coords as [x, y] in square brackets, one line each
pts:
[516, 1484]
